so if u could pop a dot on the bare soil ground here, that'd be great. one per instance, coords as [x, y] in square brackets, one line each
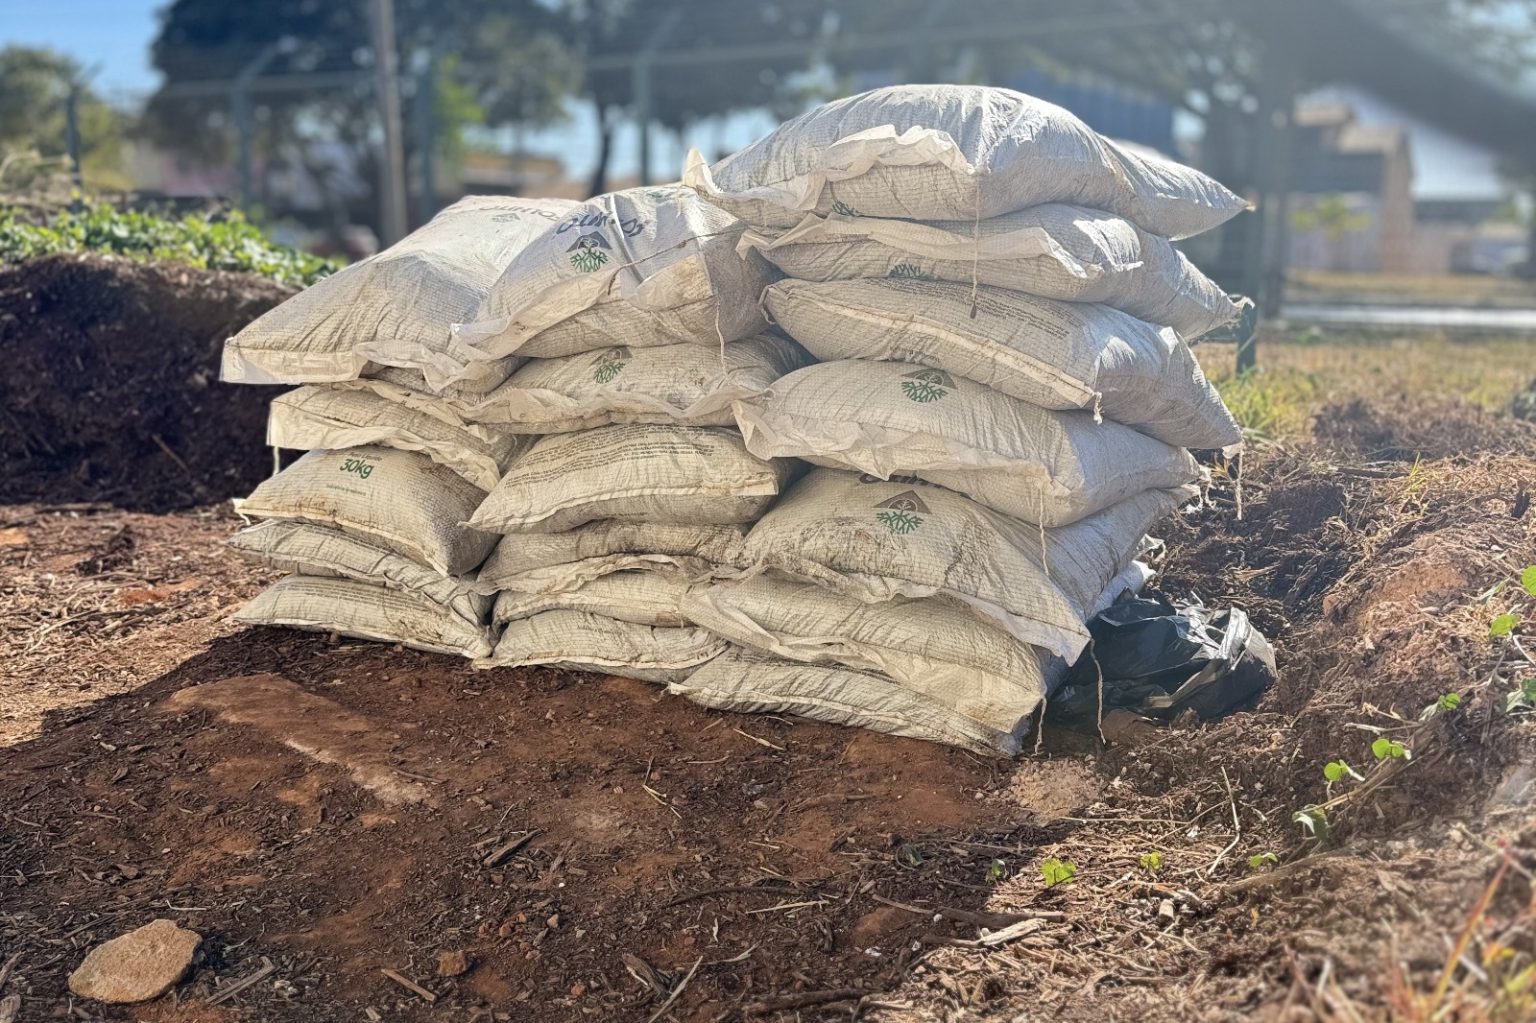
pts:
[534, 845]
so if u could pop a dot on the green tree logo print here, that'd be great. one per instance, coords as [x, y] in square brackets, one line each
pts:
[903, 513]
[927, 385]
[589, 251]
[843, 209]
[610, 363]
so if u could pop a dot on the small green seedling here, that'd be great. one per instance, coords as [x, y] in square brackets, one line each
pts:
[1058, 871]
[1528, 579]
[1335, 770]
[997, 872]
[1151, 862]
[1447, 703]
[1258, 861]
[1523, 698]
[1502, 625]
[1390, 749]
[909, 855]
[1314, 821]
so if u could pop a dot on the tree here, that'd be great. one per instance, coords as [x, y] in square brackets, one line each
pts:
[34, 91]
[492, 62]
[610, 32]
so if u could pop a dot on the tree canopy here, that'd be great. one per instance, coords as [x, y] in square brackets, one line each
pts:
[34, 91]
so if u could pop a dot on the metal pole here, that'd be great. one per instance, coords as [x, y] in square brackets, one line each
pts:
[640, 87]
[426, 140]
[392, 214]
[72, 134]
[240, 104]
[1274, 75]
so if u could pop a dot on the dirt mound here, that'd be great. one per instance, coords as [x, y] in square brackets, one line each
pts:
[111, 391]
[1403, 428]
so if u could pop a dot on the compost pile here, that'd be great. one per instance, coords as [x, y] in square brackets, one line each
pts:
[541, 432]
[110, 389]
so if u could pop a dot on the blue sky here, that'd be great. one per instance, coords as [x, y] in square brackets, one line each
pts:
[113, 36]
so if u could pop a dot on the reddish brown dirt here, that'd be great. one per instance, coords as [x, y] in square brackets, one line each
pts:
[339, 842]
[111, 391]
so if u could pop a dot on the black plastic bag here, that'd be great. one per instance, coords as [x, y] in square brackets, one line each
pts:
[1158, 660]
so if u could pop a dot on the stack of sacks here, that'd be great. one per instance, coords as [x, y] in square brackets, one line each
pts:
[1002, 412]
[642, 329]
[370, 521]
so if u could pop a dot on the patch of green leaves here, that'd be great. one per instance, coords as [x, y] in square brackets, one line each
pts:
[997, 872]
[225, 242]
[1057, 871]
[1502, 625]
[1314, 821]
[1445, 704]
[1390, 749]
[1528, 580]
[1523, 698]
[1151, 862]
[1258, 861]
[909, 855]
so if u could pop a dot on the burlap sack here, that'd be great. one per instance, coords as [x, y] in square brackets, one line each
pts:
[952, 152]
[557, 562]
[306, 549]
[346, 416]
[400, 500]
[879, 540]
[364, 611]
[1058, 355]
[1054, 251]
[893, 419]
[640, 596]
[685, 475]
[647, 266]
[395, 308]
[587, 642]
[688, 385]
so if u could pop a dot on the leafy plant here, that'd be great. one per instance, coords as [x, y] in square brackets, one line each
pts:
[226, 242]
[1335, 770]
[1390, 749]
[1522, 698]
[1446, 703]
[1151, 862]
[1057, 871]
[909, 855]
[1528, 580]
[997, 872]
[1314, 821]
[1258, 861]
[1502, 625]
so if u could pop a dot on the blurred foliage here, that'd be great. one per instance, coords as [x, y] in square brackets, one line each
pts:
[34, 90]
[229, 242]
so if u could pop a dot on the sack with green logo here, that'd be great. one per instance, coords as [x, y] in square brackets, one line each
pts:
[366, 611]
[396, 308]
[896, 419]
[953, 152]
[306, 549]
[401, 500]
[1057, 355]
[689, 385]
[642, 267]
[345, 416]
[1054, 251]
[640, 596]
[877, 540]
[684, 475]
[559, 562]
[581, 641]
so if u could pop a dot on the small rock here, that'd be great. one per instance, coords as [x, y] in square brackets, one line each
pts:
[136, 966]
[452, 964]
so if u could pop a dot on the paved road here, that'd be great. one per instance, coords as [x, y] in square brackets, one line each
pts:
[1504, 321]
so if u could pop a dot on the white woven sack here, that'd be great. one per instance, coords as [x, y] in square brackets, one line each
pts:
[557, 562]
[365, 611]
[689, 385]
[878, 540]
[1054, 251]
[581, 641]
[1058, 355]
[393, 307]
[306, 549]
[345, 416]
[647, 266]
[688, 475]
[952, 152]
[640, 596]
[894, 419]
[400, 500]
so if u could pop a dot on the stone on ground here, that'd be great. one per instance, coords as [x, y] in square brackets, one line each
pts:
[137, 966]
